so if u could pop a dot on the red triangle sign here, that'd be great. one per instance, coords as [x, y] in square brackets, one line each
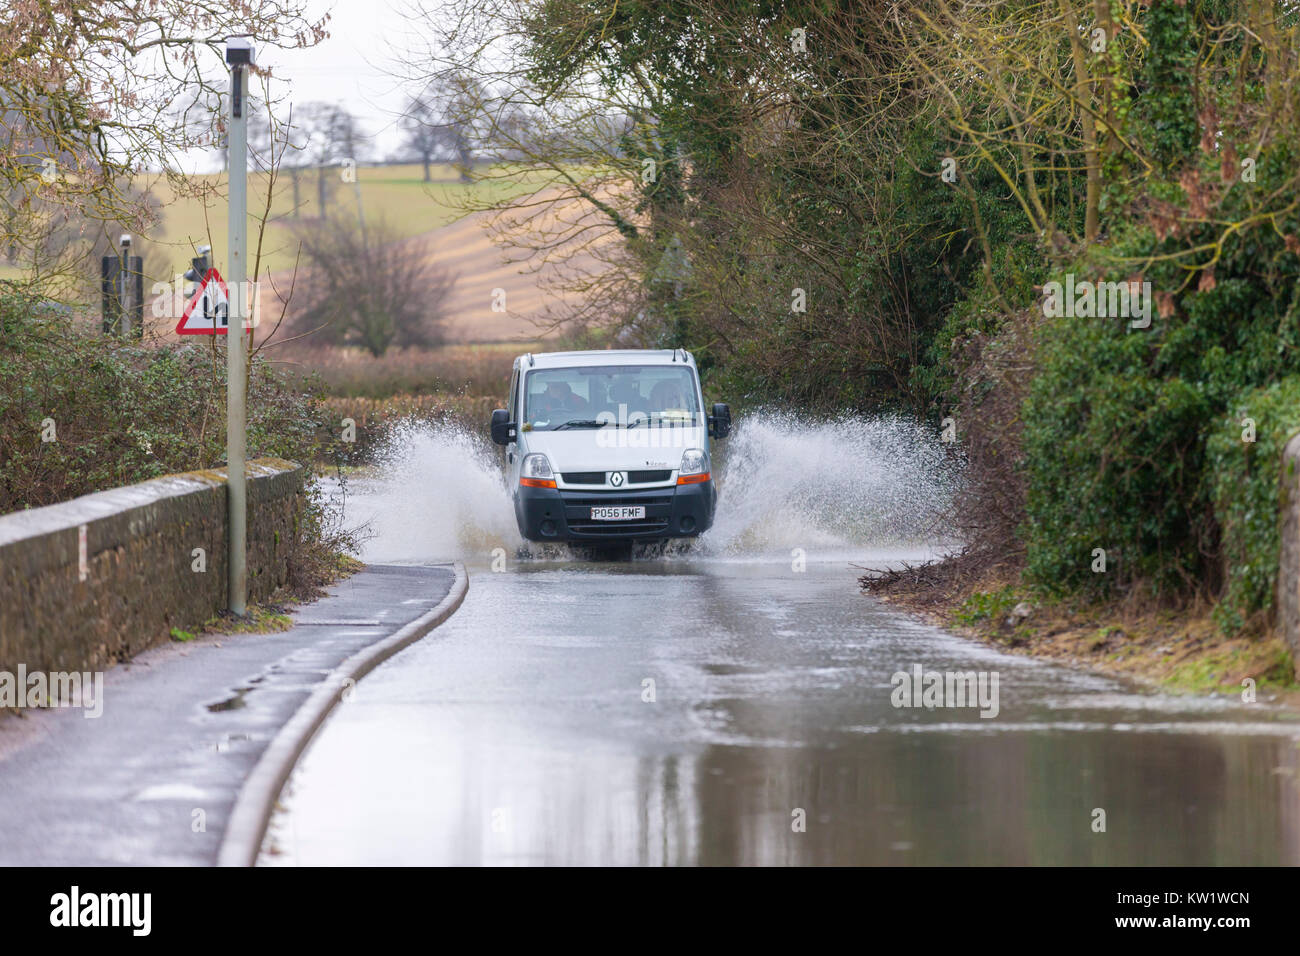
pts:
[207, 313]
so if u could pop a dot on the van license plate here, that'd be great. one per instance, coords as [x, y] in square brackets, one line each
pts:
[620, 513]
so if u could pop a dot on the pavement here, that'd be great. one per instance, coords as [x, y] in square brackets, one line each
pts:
[152, 780]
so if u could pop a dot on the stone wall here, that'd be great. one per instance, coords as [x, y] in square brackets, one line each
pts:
[95, 580]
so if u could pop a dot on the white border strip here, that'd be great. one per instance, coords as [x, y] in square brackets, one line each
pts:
[246, 828]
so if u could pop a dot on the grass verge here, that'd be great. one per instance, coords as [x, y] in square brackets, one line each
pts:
[270, 616]
[1180, 650]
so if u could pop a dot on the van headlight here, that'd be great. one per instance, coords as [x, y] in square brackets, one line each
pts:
[535, 472]
[694, 468]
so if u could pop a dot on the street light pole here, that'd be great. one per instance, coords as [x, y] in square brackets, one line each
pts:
[239, 55]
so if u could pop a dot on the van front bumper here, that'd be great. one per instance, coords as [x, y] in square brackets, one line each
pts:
[564, 514]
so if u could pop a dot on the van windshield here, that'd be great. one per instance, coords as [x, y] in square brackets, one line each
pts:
[625, 396]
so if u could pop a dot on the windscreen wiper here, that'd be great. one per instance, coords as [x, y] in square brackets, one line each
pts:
[579, 423]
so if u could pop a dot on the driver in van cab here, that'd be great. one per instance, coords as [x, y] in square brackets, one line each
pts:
[559, 397]
[667, 397]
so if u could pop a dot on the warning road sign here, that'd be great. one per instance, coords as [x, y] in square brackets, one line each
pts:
[208, 312]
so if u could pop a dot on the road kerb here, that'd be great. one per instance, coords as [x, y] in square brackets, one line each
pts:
[255, 801]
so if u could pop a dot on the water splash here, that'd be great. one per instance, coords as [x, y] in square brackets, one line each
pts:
[833, 488]
[840, 484]
[437, 493]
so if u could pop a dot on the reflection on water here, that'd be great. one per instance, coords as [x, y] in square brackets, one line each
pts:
[522, 732]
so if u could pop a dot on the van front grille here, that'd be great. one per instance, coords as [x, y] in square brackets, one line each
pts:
[598, 477]
[618, 528]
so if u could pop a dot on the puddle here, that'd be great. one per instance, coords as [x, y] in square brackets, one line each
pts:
[231, 703]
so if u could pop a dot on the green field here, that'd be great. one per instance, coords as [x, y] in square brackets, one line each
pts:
[396, 195]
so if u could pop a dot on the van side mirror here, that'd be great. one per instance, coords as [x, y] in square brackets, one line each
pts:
[503, 429]
[720, 421]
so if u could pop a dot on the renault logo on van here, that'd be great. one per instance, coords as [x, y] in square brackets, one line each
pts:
[615, 478]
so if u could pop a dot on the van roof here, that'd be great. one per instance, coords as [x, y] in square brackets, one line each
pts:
[605, 357]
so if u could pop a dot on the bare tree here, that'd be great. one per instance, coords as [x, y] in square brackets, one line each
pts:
[369, 289]
[584, 228]
[442, 122]
[282, 146]
[90, 90]
[423, 136]
[323, 136]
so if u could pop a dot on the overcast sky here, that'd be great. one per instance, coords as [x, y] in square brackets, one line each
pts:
[355, 67]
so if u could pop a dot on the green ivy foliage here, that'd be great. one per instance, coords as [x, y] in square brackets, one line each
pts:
[1124, 427]
[1246, 486]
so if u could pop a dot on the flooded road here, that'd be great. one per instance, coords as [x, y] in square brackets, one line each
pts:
[737, 705]
[520, 732]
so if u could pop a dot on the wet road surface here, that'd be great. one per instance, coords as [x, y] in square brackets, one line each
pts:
[707, 711]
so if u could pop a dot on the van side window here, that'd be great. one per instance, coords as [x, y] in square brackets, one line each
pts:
[514, 395]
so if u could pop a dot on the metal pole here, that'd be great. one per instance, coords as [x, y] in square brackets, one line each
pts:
[123, 287]
[239, 56]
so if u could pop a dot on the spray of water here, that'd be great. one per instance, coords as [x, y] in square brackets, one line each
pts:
[834, 485]
[437, 491]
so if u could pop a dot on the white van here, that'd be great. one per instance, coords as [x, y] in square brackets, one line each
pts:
[609, 446]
